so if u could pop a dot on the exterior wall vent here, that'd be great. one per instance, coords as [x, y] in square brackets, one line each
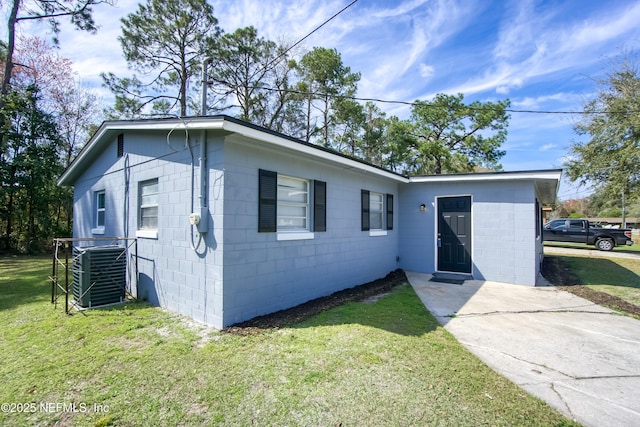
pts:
[120, 148]
[99, 275]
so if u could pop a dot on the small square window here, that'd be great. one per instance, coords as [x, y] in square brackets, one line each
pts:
[100, 209]
[376, 212]
[99, 212]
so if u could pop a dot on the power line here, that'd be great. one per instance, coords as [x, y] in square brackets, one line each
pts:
[408, 103]
[576, 193]
[312, 31]
[320, 95]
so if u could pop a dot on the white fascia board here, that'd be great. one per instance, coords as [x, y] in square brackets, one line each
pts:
[118, 126]
[218, 124]
[553, 174]
[309, 150]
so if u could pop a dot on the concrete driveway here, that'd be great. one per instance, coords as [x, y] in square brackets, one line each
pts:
[581, 358]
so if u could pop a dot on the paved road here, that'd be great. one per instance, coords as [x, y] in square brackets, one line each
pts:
[581, 358]
[587, 251]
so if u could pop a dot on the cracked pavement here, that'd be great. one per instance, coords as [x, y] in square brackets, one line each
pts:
[581, 358]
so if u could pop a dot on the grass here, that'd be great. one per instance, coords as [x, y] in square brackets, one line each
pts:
[386, 363]
[615, 276]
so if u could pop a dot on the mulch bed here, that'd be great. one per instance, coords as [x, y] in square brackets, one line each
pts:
[309, 309]
[558, 273]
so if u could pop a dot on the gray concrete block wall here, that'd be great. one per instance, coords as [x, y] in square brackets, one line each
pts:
[503, 227]
[171, 274]
[262, 274]
[106, 173]
[507, 215]
[240, 273]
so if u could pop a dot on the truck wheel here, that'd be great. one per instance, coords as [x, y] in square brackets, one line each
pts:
[605, 244]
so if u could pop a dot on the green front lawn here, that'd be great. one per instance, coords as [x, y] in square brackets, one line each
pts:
[615, 276]
[386, 363]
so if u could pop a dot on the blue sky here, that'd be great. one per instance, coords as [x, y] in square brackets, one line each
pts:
[542, 55]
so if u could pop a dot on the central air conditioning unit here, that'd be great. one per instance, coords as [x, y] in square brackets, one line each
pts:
[99, 275]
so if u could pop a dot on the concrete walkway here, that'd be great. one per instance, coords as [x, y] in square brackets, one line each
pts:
[581, 358]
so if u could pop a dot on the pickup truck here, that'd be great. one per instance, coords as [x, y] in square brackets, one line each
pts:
[580, 231]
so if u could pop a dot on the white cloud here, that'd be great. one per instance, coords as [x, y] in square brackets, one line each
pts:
[411, 31]
[401, 9]
[291, 20]
[534, 44]
[536, 53]
[603, 28]
[426, 71]
[516, 31]
[533, 102]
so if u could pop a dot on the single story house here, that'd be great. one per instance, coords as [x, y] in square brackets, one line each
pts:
[234, 220]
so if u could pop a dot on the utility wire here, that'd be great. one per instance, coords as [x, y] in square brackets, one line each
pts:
[312, 31]
[384, 101]
[575, 193]
[320, 95]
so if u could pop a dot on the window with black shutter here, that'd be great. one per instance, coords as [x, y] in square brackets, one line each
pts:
[284, 203]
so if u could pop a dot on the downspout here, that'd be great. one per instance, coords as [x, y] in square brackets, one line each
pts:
[203, 225]
[125, 221]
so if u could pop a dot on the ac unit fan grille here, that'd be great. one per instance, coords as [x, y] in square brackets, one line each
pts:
[99, 275]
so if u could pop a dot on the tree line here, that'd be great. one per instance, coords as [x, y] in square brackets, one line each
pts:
[309, 95]
[46, 116]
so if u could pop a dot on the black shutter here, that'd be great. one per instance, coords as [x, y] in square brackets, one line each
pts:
[364, 198]
[389, 211]
[319, 206]
[267, 201]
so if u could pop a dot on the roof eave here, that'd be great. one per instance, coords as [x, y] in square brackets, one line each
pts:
[112, 127]
[491, 176]
[547, 181]
[216, 123]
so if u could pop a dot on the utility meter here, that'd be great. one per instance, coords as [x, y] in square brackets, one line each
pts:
[194, 218]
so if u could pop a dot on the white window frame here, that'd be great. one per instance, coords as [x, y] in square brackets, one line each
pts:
[284, 203]
[145, 231]
[99, 226]
[376, 208]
